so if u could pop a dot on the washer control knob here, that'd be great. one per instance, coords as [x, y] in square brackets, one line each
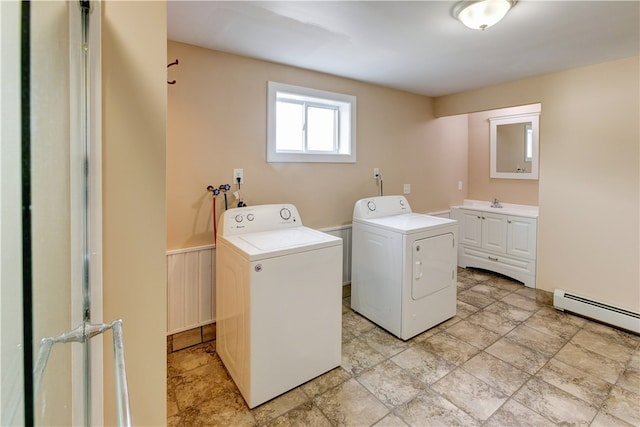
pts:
[401, 202]
[285, 214]
[371, 205]
[250, 217]
[239, 218]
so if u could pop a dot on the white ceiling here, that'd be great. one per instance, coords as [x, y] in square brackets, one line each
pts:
[415, 46]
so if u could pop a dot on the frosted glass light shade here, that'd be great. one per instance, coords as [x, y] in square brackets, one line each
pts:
[480, 15]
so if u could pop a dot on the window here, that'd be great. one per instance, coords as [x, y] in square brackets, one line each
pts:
[528, 142]
[309, 125]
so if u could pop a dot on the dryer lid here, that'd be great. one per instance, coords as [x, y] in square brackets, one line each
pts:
[408, 223]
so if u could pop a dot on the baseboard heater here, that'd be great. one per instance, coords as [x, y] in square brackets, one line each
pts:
[605, 313]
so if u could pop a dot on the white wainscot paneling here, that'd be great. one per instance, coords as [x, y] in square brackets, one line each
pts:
[344, 232]
[190, 288]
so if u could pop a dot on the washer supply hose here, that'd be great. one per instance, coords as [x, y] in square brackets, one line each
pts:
[213, 216]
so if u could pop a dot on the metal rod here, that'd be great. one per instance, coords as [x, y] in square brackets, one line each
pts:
[122, 390]
[82, 334]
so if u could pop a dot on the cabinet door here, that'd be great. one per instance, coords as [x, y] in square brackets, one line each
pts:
[522, 236]
[470, 227]
[494, 232]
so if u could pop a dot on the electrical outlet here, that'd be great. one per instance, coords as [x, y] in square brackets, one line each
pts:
[459, 185]
[407, 189]
[238, 173]
[376, 172]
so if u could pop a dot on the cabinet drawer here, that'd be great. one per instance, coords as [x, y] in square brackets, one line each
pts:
[500, 260]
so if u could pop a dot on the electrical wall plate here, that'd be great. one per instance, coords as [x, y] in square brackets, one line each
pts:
[238, 173]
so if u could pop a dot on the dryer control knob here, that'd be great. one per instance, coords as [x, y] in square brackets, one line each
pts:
[371, 205]
[238, 218]
[285, 214]
[401, 202]
[250, 217]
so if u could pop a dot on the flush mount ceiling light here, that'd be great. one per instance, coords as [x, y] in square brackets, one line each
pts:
[482, 14]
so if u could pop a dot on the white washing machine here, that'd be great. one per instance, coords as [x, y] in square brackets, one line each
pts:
[404, 266]
[278, 300]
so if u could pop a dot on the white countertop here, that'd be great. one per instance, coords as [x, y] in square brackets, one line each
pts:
[507, 208]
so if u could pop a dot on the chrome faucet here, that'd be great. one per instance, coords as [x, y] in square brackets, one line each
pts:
[496, 203]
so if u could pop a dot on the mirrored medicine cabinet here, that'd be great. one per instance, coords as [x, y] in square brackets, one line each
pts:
[514, 146]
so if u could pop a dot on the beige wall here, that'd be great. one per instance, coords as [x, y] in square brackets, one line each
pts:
[588, 236]
[217, 122]
[134, 225]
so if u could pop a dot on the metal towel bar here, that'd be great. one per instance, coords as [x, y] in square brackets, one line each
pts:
[81, 334]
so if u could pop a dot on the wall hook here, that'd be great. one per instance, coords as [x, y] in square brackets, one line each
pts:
[172, 82]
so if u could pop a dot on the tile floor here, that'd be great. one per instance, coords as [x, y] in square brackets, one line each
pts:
[504, 360]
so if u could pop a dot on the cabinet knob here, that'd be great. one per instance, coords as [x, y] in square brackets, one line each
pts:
[509, 221]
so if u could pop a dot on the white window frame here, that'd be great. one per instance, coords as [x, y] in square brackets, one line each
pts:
[345, 106]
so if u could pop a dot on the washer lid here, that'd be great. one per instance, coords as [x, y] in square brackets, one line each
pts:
[269, 244]
[408, 223]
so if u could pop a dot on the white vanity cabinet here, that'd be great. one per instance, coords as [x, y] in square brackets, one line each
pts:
[503, 242]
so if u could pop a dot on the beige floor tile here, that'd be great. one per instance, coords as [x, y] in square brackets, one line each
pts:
[519, 356]
[355, 323]
[624, 404]
[450, 348]
[391, 420]
[423, 364]
[304, 415]
[464, 310]
[465, 282]
[521, 302]
[490, 291]
[536, 340]
[383, 342]
[497, 373]
[224, 410]
[390, 384]
[629, 380]
[433, 331]
[540, 367]
[280, 405]
[509, 311]
[190, 358]
[473, 334]
[186, 339]
[575, 381]
[350, 404]
[470, 394]
[603, 419]
[556, 405]
[326, 381]
[475, 274]
[492, 321]
[513, 413]
[626, 338]
[527, 292]
[200, 384]
[591, 363]
[556, 324]
[172, 405]
[437, 410]
[604, 345]
[504, 283]
[474, 298]
[357, 356]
